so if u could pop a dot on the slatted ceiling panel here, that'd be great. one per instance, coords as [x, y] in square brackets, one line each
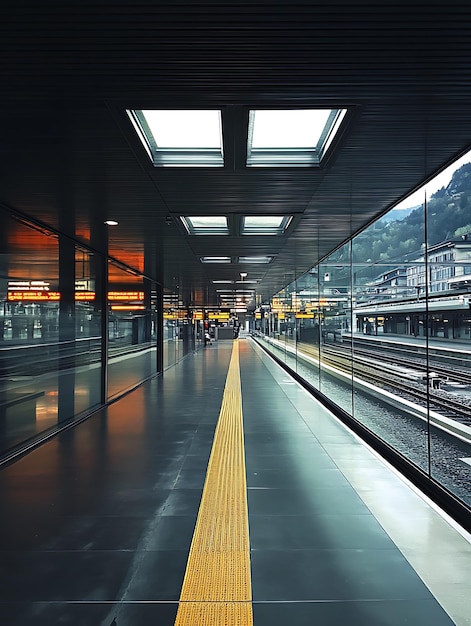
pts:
[73, 68]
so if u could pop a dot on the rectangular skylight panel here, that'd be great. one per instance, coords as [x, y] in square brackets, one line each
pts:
[265, 224]
[255, 259]
[263, 221]
[180, 138]
[300, 128]
[215, 259]
[291, 137]
[206, 224]
[185, 129]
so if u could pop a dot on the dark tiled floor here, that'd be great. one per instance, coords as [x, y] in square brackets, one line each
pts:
[96, 524]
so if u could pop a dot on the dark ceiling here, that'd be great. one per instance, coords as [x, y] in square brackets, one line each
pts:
[70, 158]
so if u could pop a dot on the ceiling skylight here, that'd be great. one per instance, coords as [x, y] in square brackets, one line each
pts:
[215, 259]
[255, 259]
[180, 138]
[291, 137]
[265, 224]
[206, 225]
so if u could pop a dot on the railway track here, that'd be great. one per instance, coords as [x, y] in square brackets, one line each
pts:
[384, 377]
[444, 371]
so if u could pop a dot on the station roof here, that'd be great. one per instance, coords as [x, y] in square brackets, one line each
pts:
[77, 78]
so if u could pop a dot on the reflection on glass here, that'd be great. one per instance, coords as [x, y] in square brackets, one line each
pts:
[50, 335]
[183, 329]
[131, 330]
[29, 332]
[51, 321]
[88, 312]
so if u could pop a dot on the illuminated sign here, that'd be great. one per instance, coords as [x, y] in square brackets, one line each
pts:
[84, 284]
[33, 296]
[85, 295]
[125, 296]
[28, 285]
[24, 292]
[301, 316]
[127, 307]
[218, 316]
[277, 304]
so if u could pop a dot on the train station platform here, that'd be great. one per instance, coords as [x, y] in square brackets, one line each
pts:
[222, 493]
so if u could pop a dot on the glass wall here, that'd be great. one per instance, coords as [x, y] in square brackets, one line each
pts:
[30, 350]
[384, 328]
[55, 307]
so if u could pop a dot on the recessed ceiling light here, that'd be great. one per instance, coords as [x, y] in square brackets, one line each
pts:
[111, 222]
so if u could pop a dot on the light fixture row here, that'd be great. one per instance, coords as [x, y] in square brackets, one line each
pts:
[240, 259]
[276, 137]
[244, 225]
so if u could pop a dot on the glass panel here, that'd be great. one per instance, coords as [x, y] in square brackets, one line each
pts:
[180, 332]
[335, 357]
[88, 312]
[390, 329]
[131, 330]
[333, 311]
[50, 326]
[29, 332]
[170, 328]
[448, 272]
[308, 328]
[277, 324]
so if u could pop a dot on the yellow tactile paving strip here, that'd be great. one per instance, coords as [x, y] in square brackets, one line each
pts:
[217, 587]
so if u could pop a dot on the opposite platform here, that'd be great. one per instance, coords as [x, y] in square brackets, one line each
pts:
[97, 523]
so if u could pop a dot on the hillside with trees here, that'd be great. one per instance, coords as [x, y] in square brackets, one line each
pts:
[393, 241]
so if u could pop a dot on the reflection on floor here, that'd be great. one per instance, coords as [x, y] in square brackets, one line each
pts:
[97, 523]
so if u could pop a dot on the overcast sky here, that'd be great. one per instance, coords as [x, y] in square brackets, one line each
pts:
[434, 185]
